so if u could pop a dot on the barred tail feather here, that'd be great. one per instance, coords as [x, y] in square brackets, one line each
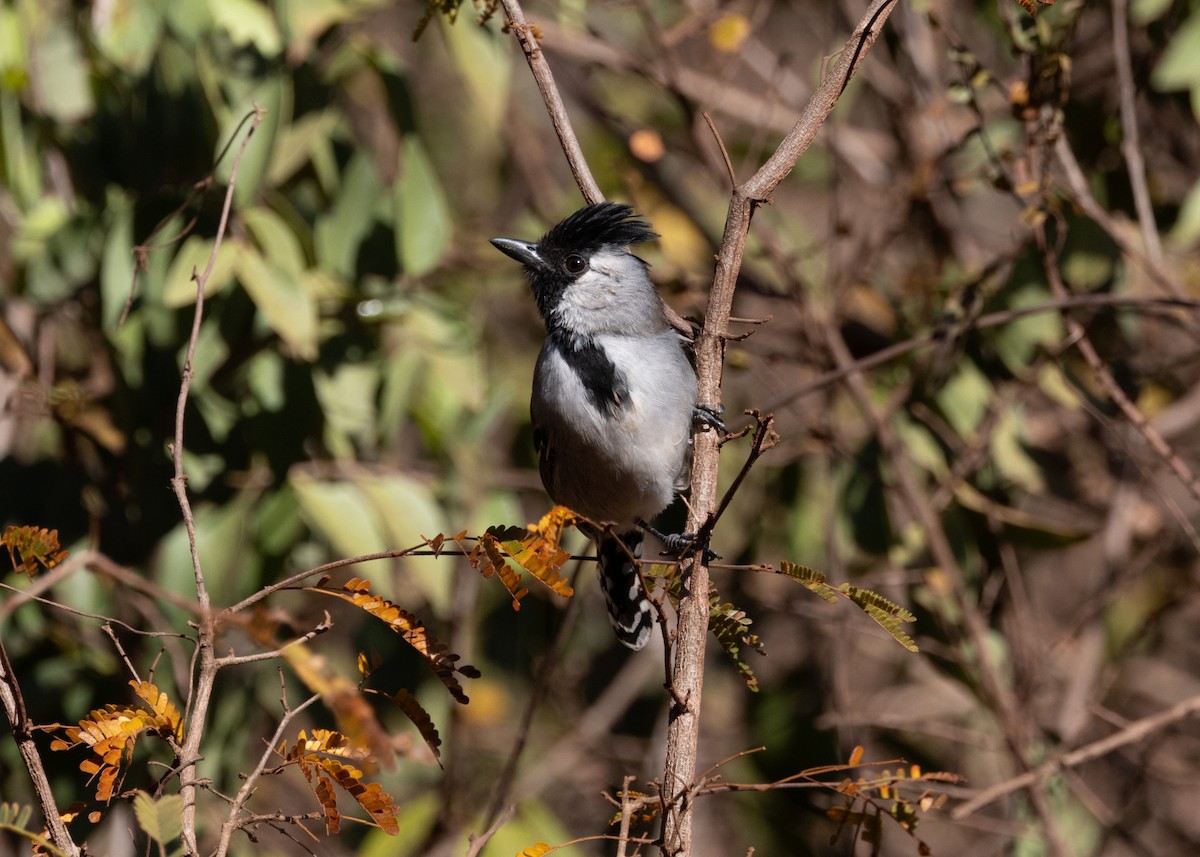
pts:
[628, 608]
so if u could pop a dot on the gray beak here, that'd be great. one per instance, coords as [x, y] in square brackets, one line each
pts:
[523, 251]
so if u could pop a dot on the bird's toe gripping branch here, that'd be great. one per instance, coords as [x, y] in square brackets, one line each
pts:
[677, 544]
[709, 415]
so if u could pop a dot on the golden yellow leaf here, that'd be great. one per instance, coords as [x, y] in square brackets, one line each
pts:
[728, 32]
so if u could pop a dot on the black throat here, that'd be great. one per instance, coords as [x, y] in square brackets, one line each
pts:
[604, 383]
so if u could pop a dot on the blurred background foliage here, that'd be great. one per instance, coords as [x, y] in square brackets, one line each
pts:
[364, 360]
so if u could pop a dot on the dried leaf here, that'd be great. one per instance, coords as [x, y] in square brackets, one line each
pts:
[35, 545]
[110, 733]
[443, 662]
[421, 719]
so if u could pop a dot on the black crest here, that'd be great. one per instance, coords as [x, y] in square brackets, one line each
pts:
[605, 224]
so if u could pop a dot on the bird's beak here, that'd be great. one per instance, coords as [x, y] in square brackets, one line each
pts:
[523, 251]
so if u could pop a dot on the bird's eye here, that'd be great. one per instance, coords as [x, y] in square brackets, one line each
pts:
[575, 264]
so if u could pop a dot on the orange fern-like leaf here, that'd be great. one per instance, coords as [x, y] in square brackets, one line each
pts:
[321, 760]
[111, 732]
[443, 662]
[35, 545]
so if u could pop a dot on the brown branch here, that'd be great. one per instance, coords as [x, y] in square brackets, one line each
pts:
[526, 35]
[687, 675]
[1131, 734]
[1082, 192]
[197, 708]
[1131, 148]
[22, 729]
[1076, 330]
[992, 319]
[233, 821]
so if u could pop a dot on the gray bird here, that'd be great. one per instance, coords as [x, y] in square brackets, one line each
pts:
[614, 393]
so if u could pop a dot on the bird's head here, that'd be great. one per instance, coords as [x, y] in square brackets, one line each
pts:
[583, 275]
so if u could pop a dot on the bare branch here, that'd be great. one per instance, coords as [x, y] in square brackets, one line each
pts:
[206, 660]
[527, 36]
[687, 675]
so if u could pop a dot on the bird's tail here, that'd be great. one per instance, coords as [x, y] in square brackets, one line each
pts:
[628, 608]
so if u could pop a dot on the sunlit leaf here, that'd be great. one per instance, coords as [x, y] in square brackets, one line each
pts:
[288, 309]
[423, 227]
[162, 819]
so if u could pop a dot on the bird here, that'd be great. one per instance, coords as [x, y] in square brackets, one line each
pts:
[614, 399]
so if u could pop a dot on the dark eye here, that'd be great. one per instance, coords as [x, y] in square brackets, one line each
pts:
[575, 264]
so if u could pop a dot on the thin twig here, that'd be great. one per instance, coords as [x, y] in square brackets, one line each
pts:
[234, 660]
[22, 729]
[233, 820]
[526, 35]
[1131, 147]
[205, 677]
[724, 152]
[1131, 734]
[993, 319]
[1156, 441]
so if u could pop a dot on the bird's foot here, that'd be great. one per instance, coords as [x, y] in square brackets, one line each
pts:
[677, 544]
[708, 415]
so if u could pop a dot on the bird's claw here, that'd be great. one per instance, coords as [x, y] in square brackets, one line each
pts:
[677, 544]
[709, 415]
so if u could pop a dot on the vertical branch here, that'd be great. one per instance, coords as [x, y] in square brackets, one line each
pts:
[1131, 148]
[687, 677]
[540, 69]
[206, 660]
[14, 708]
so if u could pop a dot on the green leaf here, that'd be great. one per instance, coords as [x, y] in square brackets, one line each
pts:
[1017, 341]
[162, 819]
[1186, 231]
[1010, 456]
[179, 289]
[810, 579]
[127, 33]
[340, 513]
[14, 69]
[299, 143]
[274, 95]
[731, 628]
[116, 266]
[276, 239]
[422, 217]
[885, 612]
[338, 234]
[58, 73]
[1179, 67]
[347, 396]
[1143, 12]
[888, 614]
[286, 306]
[964, 398]
[409, 511]
[484, 60]
[248, 23]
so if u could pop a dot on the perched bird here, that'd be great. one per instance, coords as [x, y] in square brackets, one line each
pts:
[614, 393]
